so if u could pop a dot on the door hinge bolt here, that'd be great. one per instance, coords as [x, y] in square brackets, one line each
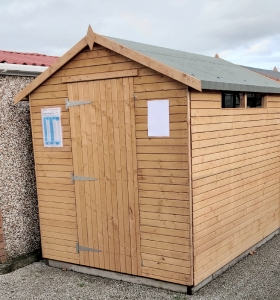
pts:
[75, 103]
[81, 248]
[81, 178]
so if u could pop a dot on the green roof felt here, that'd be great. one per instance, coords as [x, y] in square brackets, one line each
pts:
[214, 73]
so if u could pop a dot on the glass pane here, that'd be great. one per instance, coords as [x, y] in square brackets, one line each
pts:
[254, 100]
[228, 100]
[231, 99]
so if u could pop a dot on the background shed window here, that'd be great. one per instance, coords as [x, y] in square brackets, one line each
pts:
[232, 100]
[254, 100]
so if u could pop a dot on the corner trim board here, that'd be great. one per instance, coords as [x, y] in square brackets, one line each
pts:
[190, 182]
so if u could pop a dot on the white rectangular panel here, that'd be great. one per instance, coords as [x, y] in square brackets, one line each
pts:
[158, 118]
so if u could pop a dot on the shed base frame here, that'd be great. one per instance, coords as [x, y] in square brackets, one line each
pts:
[119, 276]
[158, 283]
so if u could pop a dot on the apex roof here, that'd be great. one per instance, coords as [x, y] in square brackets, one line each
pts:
[194, 70]
[214, 73]
[25, 58]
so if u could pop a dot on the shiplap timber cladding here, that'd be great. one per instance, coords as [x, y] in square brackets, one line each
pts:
[163, 183]
[143, 226]
[235, 179]
[54, 166]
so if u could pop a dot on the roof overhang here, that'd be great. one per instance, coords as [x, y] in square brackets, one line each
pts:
[224, 86]
[21, 70]
[88, 41]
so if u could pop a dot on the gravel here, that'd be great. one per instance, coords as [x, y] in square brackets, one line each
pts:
[255, 277]
[18, 197]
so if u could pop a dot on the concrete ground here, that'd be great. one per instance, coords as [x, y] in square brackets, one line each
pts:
[255, 277]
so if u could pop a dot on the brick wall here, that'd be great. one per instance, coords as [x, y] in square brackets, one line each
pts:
[2, 250]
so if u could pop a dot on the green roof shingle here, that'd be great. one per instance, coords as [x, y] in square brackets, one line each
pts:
[214, 73]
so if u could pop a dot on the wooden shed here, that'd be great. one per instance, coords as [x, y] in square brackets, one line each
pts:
[167, 165]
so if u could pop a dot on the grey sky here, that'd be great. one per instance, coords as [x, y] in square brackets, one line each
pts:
[241, 31]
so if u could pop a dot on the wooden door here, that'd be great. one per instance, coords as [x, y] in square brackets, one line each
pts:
[104, 147]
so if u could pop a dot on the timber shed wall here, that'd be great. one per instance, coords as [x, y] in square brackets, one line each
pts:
[235, 164]
[162, 165]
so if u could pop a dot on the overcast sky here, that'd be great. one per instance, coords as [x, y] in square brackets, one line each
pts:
[241, 31]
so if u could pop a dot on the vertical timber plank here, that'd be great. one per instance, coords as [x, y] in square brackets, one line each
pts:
[124, 176]
[112, 150]
[119, 195]
[93, 185]
[131, 198]
[106, 171]
[98, 159]
[135, 177]
[87, 165]
[80, 130]
[108, 175]
[72, 94]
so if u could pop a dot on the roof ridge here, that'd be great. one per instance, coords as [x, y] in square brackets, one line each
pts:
[125, 40]
[198, 55]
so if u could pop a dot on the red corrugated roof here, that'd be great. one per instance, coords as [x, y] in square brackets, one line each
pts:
[23, 58]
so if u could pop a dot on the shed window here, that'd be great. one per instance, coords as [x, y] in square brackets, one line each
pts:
[254, 100]
[232, 100]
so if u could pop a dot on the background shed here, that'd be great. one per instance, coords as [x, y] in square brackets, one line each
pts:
[19, 230]
[272, 74]
[177, 208]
